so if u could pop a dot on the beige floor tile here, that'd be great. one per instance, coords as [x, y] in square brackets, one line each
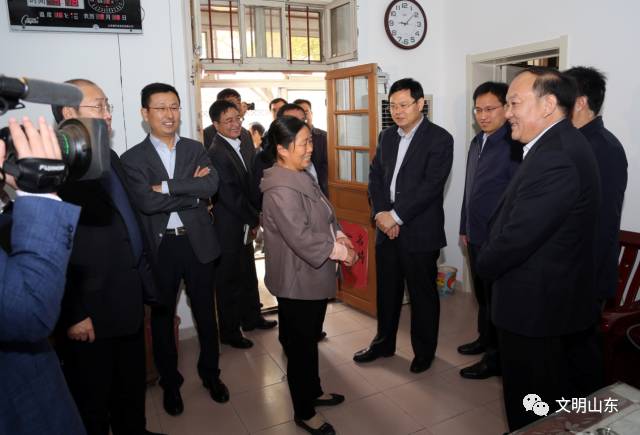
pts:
[497, 408]
[348, 344]
[373, 415]
[347, 381]
[476, 421]
[249, 372]
[340, 323]
[265, 407]
[288, 428]
[478, 391]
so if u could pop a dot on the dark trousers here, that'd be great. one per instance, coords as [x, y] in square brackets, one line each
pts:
[301, 324]
[482, 290]
[176, 262]
[393, 266]
[107, 381]
[568, 366]
[237, 292]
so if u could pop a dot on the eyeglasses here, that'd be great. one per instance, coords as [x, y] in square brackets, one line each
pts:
[402, 106]
[101, 108]
[487, 110]
[162, 109]
[231, 121]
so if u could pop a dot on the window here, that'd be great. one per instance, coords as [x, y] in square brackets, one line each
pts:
[220, 23]
[304, 34]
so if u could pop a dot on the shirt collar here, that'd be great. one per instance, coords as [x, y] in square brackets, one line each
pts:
[409, 136]
[528, 146]
[235, 143]
[159, 144]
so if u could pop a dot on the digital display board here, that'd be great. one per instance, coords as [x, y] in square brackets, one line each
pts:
[114, 16]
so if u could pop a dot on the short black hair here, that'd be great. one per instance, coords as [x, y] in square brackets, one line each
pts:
[218, 108]
[591, 83]
[408, 83]
[256, 126]
[287, 107]
[276, 101]
[228, 92]
[155, 88]
[498, 89]
[550, 81]
[57, 110]
[282, 132]
[300, 101]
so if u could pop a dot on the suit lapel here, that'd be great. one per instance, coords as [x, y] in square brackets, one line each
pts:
[415, 142]
[235, 160]
[393, 156]
[155, 160]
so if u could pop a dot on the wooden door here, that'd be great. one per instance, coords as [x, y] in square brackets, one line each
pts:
[352, 130]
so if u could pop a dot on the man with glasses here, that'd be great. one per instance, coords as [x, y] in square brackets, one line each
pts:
[493, 159]
[172, 180]
[406, 189]
[101, 323]
[236, 224]
[233, 96]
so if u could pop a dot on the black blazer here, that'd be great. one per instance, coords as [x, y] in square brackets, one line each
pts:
[232, 205]
[105, 281]
[539, 254]
[319, 158]
[486, 179]
[419, 184]
[612, 163]
[189, 196]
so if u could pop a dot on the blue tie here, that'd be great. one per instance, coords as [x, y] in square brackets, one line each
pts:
[118, 195]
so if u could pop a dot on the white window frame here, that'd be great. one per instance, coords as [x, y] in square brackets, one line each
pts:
[353, 53]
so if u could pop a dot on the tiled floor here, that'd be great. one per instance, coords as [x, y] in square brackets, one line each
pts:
[382, 397]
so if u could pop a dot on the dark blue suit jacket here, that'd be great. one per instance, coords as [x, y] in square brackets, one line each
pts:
[34, 398]
[419, 185]
[486, 180]
[612, 163]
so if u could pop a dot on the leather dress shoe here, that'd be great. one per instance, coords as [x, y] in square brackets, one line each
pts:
[217, 390]
[172, 402]
[370, 354]
[336, 399]
[474, 348]
[262, 323]
[322, 336]
[325, 429]
[419, 364]
[480, 370]
[238, 343]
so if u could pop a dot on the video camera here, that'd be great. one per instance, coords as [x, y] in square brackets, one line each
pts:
[84, 142]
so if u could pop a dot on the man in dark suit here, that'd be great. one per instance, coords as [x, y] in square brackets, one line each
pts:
[101, 322]
[539, 253]
[34, 398]
[172, 180]
[233, 96]
[493, 159]
[319, 156]
[406, 189]
[236, 223]
[612, 163]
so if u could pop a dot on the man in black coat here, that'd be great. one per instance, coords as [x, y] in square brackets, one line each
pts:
[319, 157]
[539, 253]
[493, 159]
[612, 163]
[406, 189]
[172, 180]
[101, 323]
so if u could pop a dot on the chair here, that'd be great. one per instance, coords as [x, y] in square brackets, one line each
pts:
[622, 356]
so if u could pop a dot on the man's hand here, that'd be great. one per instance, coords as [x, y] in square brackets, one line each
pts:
[157, 188]
[201, 172]
[82, 331]
[393, 232]
[464, 240]
[385, 221]
[41, 144]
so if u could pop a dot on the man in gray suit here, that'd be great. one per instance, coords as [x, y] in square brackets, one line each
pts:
[172, 179]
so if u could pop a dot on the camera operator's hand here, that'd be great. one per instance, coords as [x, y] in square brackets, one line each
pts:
[36, 144]
[82, 331]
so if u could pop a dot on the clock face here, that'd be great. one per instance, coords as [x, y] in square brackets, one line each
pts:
[107, 6]
[405, 23]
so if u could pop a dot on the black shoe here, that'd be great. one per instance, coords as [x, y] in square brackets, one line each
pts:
[238, 343]
[480, 370]
[474, 348]
[370, 354]
[325, 429]
[419, 364]
[148, 432]
[262, 323]
[336, 399]
[217, 390]
[322, 336]
[172, 402]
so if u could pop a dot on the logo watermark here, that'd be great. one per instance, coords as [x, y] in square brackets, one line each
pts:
[577, 405]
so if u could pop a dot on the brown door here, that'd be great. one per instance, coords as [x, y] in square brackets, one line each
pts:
[352, 110]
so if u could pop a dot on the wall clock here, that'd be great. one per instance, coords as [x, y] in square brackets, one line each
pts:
[405, 23]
